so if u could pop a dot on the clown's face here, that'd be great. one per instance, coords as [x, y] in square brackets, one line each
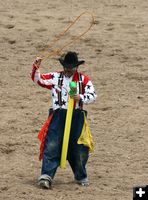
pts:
[69, 72]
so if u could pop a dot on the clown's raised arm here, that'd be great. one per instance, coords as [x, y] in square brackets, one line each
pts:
[43, 80]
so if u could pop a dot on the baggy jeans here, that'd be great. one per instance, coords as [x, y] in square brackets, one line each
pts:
[77, 153]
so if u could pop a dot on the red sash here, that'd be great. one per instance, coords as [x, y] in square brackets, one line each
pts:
[42, 135]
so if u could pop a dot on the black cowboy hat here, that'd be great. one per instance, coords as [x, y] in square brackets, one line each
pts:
[70, 60]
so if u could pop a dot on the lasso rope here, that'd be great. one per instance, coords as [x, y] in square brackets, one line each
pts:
[45, 54]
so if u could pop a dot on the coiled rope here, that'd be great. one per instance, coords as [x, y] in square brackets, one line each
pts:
[45, 54]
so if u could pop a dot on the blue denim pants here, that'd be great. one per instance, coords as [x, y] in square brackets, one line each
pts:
[77, 153]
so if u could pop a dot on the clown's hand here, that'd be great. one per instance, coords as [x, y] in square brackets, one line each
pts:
[76, 97]
[37, 62]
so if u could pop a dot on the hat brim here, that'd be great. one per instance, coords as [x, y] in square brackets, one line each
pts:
[72, 65]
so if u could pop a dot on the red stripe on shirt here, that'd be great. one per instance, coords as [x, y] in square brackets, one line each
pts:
[45, 86]
[33, 72]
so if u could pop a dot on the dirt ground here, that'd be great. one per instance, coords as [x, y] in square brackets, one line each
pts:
[116, 55]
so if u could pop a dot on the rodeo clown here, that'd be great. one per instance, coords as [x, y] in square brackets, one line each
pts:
[51, 134]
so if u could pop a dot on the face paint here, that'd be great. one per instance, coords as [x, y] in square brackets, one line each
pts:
[69, 72]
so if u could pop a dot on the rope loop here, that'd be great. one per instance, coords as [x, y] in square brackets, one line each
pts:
[46, 53]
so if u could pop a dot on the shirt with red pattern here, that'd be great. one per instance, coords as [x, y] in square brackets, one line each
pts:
[51, 80]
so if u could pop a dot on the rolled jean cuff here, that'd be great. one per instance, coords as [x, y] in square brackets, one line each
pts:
[45, 177]
[84, 180]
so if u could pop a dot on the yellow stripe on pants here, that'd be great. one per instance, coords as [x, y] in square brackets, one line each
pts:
[67, 132]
